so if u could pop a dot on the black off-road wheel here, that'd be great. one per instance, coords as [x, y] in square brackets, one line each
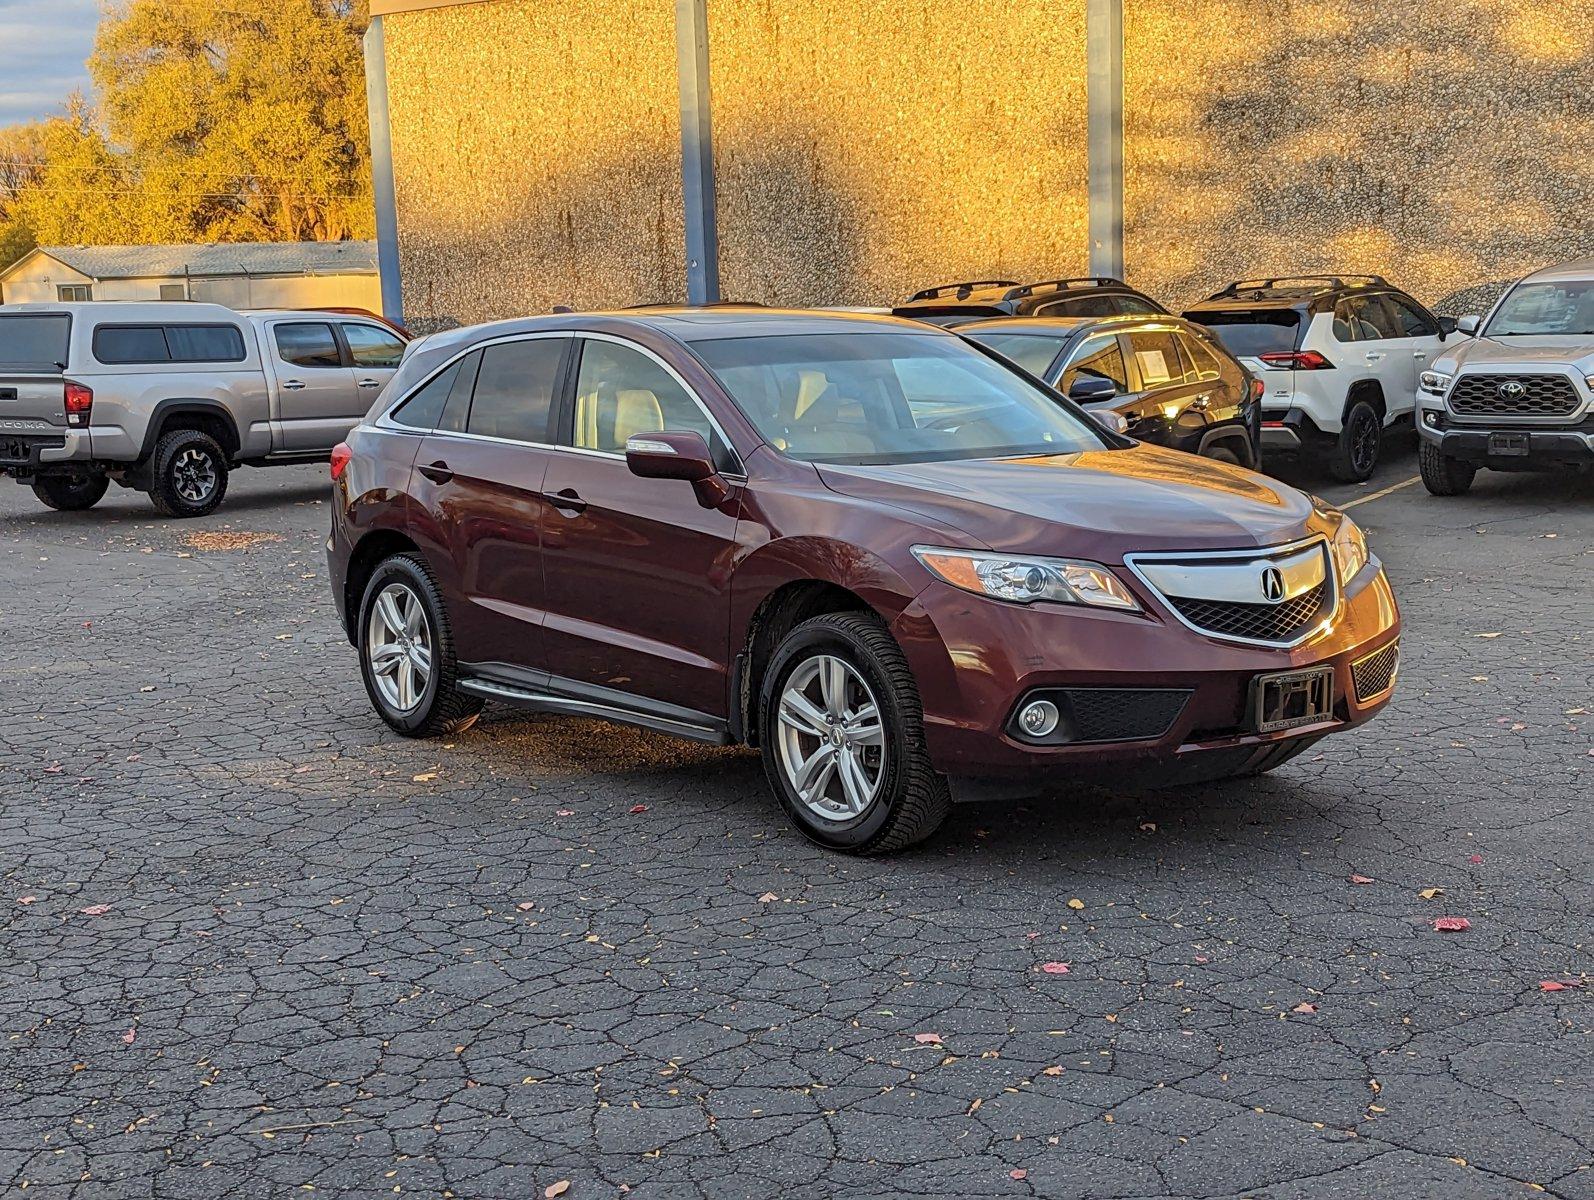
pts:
[842, 733]
[1441, 474]
[188, 474]
[1355, 456]
[407, 652]
[70, 493]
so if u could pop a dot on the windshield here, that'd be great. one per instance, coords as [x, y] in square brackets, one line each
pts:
[891, 398]
[34, 340]
[1032, 351]
[1564, 307]
[1247, 334]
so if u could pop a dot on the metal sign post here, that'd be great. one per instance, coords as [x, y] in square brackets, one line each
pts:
[1104, 134]
[697, 152]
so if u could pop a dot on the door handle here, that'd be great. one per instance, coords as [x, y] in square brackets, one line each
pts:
[293, 385]
[1419, 355]
[369, 383]
[1374, 355]
[437, 472]
[567, 500]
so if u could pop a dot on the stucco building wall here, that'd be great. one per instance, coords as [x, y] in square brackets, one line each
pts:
[869, 147]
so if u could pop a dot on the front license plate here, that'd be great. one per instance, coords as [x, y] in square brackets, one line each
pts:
[1508, 443]
[1290, 698]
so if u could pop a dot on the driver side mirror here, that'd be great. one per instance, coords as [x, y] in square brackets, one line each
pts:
[1469, 324]
[1447, 326]
[682, 455]
[1089, 388]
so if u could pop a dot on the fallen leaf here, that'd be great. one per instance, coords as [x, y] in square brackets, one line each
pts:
[1076, 904]
[1304, 1008]
[26, 899]
[1148, 827]
[95, 910]
[556, 1189]
[768, 898]
[424, 777]
[1430, 893]
[1451, 924]
[1055, 968]
[1052, 1071]
[525, 906]
[927, 1039]
[1486, 635]
[1476, 859]
[974, 1107]
[1559, 985]
[1018, 1173]
[1362, 879]
[564, 812]
[639, 808]
[53, 769]
[127, 1038]
[1201, 958]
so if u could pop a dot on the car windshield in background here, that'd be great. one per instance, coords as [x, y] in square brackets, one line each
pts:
[27, 340]
[1565, 308]
[1032, 351]
[890, 398]
[1248, 334]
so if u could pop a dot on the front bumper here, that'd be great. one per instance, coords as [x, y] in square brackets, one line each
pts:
[976, 659]
[1545, 449]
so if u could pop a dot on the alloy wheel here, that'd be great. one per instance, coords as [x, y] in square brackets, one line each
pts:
[398, 646]
[1364, 441]
[194, 475]
[832, 742]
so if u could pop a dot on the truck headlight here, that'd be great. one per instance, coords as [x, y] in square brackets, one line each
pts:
[1437, 382]
[1024, 579]
[1349, 550]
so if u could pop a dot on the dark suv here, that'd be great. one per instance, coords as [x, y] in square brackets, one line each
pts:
[899, 567]
[1169, 379]
[1091, 296]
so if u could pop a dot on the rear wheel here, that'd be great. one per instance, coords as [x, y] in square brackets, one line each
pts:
[188, 474]
[1441, 474]
[407, 652]
[843, 738]
[1222, 454]
[70, 493]
[1355, 455]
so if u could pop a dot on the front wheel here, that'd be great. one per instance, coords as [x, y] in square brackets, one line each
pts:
[1360, 439]
[842, 734]
[407, 652]
[70, 493]
[1441, 474]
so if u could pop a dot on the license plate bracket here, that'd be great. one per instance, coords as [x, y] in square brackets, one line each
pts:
[1286, 699]
[1508, 444]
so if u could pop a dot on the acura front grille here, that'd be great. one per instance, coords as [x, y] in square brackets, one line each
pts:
[1254, 622]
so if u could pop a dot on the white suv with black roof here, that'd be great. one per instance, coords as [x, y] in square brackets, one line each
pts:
[1518, 395]
[1338, 356]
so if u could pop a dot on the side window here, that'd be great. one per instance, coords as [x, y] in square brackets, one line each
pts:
[205, 343]
[372, 347]
[457, 411]
[1409, 319]
[1362, 319]
[621, 391]
[131, 344]
[1081, 306]
[168, 343]
[1098, 358]
[514, 389]
[424, 408]
[307, 344]
[1204, 363]
[1137, 306]
[1156, 354]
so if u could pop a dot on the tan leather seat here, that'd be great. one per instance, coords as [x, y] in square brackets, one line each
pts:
[636, 410]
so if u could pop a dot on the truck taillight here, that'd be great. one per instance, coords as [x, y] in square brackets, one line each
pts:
[78, 401]
[1297, 360]
[340, 459]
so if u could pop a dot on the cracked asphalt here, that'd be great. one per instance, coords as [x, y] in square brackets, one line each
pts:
[327, 960]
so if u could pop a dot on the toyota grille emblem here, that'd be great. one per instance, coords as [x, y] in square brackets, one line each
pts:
[1512, 389]
[1272, 584]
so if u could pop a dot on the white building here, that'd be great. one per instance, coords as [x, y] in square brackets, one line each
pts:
[237, 274]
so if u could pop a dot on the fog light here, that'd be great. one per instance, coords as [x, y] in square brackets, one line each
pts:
[1038, 718]
[1430, 417]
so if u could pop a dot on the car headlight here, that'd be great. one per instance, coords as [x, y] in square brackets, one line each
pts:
[1350, 551]
[1024, 579]
[1437, 382]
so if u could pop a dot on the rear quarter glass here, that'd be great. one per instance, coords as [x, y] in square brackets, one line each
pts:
[1248, 334]
[34, 339]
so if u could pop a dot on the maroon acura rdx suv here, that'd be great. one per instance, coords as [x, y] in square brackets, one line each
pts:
[903, 569]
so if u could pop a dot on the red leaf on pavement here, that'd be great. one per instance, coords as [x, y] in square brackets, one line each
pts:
[26, 899]
[525, 906]
[639, 808]
[1055, 968]
[1361, 879]
[927, 1039]
[1451, 924]
[53, 769]
[1201, 958]
[95, 910]
[1018, 1173]
[127, 1038]
[1476, 859]
[564, 812]
[1559, 985]
[1304, 1008]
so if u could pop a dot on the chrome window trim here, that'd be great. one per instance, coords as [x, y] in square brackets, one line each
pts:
[1255, 554]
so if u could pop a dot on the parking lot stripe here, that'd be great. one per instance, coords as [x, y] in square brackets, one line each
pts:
[1394, 487]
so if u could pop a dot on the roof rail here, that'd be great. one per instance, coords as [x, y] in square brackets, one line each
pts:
[1029, 289]
[1277, 282]
[961, 289]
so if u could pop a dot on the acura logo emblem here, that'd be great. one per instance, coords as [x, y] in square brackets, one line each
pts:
[1512, 389]
[1272, 584]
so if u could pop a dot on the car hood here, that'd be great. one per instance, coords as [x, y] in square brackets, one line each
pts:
[1099, 504]
[1575, 353]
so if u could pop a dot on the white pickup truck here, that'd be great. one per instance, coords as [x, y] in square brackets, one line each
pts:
[167, 397]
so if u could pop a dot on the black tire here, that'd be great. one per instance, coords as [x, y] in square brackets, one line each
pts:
[910, 800]
[70, 493]
[441, 708]
[1221, 453]
[188, 474]
[1355, 455]
[1441, 474]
